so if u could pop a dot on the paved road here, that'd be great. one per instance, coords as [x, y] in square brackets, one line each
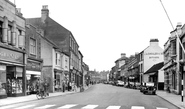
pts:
[100, 96]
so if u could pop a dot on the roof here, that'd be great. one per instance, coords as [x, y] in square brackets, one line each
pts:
[53, 31]
[155, 68]
[122, 58]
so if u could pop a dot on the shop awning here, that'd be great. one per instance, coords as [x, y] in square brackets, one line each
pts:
[155, 68]
[33, 72]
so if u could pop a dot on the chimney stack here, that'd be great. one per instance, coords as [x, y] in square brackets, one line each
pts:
[123, 55]
[44, 13]
[154, 42]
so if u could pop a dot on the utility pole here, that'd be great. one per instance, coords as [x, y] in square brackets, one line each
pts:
[181, 62]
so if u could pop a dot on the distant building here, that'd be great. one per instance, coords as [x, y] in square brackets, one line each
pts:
[118, 63]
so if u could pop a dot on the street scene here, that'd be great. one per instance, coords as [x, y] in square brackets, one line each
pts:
[99, 96]
[92, 54]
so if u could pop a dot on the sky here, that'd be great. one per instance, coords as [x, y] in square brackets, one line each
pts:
[104, 29]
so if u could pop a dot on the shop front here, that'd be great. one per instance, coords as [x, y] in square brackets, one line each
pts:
[59, 81]
[12, 76]
[33, 73]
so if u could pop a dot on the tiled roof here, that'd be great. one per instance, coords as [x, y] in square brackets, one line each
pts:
[53, 31]
[155, 68]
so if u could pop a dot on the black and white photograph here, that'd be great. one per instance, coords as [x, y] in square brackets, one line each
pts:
[92, 54]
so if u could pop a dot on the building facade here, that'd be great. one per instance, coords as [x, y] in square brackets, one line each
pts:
[118, 63]
[151, 55]
[74, 59]
[60, 37]
[80, 75]
[85, 69]
[33, 61]
[12, 51]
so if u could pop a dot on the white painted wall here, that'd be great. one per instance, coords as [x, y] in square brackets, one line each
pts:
[161, 76]
[152, 55]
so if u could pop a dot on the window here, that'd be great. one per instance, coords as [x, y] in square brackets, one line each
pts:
[70, 42]
[32, 46]
[173, 49]
[57, 59]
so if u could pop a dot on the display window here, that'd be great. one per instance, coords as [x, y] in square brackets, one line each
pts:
[2, 83]
[2, 80]
[31, 80]
[14, 80]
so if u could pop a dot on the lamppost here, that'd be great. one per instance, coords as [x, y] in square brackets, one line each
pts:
[181, 62]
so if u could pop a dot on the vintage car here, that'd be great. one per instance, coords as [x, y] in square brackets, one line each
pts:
[149, 88]
[120, 83]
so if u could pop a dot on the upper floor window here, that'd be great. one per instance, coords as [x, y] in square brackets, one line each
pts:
[32, 46]
[58, 59]
[173, 45]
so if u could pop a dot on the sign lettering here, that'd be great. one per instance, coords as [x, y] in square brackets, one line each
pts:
[12, 56]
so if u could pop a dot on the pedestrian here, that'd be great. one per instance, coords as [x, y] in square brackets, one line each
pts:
[63, 86]
[46, 85]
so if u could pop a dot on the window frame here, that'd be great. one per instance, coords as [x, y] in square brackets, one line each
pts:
[31, 50]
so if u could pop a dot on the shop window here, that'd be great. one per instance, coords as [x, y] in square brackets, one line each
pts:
[32, 46]
[58, 59]
[14, 80]
[2, 80]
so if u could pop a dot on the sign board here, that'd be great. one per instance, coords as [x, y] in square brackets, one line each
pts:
[11, 56]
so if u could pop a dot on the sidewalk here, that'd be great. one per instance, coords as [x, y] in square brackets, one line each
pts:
[12, 100]
[172, 98]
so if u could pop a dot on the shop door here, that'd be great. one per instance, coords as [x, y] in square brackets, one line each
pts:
[9, 84]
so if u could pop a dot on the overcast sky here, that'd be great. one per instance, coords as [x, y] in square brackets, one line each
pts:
[106, 28]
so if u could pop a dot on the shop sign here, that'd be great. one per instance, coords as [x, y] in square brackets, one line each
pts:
[152, 53]
[33, 66]
[12, 56]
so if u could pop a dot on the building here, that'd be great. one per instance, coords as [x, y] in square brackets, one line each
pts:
[171, 64]
[33, 54]
[72, 49]
[118, 63]
[63, 40]
[133, 70]
[80, 71]
[12, 51]
[85, 69]
[151, 55]
[141, 70]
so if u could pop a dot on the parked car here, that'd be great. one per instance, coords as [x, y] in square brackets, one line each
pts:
[149, 89]
[120, 83]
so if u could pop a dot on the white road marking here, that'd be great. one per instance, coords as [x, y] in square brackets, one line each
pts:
[25, 107]
[67, 106]
[137, 107]
[113, 107]
[44, 107]
[6, 107]
[90, 107]
[160, 108]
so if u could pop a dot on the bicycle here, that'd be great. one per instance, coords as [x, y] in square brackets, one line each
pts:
[41, 94]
